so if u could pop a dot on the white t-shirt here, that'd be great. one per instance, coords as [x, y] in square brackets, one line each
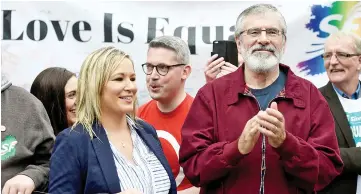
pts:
[353, 112]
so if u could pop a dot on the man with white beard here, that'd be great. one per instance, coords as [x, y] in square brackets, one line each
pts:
[260, 129]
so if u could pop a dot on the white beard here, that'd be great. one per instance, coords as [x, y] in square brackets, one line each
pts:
[261, 62]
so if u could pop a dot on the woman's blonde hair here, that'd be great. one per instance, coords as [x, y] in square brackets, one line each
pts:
[94, 74]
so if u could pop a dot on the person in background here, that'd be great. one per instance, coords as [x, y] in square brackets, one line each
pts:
[218, 68]
[167, 69]
[26, 141]
[260, 129]
[56, 87]
[108, 149]
[342, 60]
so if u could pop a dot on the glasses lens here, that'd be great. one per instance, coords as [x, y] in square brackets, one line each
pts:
[254, 32]
[162, 69]
[147, 68]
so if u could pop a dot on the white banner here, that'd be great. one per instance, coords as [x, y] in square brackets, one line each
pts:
[36, 35]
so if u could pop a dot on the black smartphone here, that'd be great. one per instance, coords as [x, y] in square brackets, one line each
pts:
[226, 49]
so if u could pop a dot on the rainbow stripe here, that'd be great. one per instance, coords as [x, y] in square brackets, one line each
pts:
[315, 65]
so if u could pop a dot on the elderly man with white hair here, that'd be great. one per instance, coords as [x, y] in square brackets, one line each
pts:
[260, 129]
[342, 60]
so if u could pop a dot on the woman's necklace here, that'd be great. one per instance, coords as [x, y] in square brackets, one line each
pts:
[123, 144]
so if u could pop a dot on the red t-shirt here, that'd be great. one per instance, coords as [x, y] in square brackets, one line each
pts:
[168, 126]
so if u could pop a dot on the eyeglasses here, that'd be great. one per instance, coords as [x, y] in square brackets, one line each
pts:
[256, 32]
[162, 69]
[339, 55]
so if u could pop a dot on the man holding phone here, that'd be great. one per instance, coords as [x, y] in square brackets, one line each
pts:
[218, 67]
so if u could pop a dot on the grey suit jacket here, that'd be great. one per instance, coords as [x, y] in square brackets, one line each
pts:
[351, 155]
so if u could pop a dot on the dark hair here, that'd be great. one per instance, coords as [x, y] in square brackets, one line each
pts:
[48, 87]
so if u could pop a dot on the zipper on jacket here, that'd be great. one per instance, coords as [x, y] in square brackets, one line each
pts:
[263, 147]
[263, 150]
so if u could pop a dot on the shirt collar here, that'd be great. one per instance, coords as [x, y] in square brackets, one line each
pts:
[354, 96]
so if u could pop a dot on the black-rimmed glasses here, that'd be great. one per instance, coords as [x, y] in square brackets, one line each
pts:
[162, 69]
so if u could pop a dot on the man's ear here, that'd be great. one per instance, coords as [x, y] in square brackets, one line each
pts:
[238, 42]
[186, 71]
[284, 43]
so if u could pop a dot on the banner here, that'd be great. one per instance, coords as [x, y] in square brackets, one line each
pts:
[36, 35]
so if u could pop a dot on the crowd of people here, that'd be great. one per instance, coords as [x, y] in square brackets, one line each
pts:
[254, 127]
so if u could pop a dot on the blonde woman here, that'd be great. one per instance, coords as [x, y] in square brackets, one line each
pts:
[108, 150]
